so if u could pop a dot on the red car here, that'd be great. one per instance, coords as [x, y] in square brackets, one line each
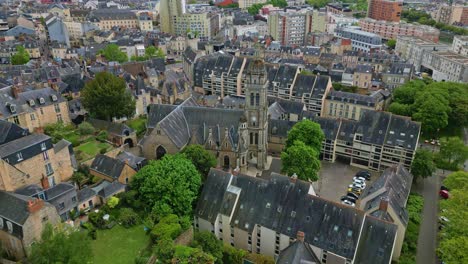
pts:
[444, 194]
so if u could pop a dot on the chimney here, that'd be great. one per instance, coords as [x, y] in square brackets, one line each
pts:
[383, 206]
[45, 182]
[15, 90]
[294, 178]
[300, 236]
[35, 205]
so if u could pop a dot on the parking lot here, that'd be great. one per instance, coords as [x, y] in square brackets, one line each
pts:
[334, 179]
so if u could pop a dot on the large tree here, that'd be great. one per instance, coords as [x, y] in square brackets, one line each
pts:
[457, 180]
[308, 132]
[201, 158]
[61, 246]
[432, 110]
[112, 53]
[21, 57]
[302, 160]
[169, 185]
[208, 242]
[106, 97]
[423, 164]
[453, 151]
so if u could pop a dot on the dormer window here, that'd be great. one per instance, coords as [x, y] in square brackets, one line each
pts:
[9, 226]
[1, 223]
[54, 98]
[41, 100]
[32, 103]
[19, 156]
[12, 108]
[43, 146]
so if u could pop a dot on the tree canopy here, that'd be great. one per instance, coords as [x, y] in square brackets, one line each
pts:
[208, 242]
[302, 160]
[391, 43]
[21, 57]
[150, 52]
[423, 164]
[61, 246]
[169, 185]
[453, 153]
[106, 97]
[112, 52]
[201, 158]
[308, 132]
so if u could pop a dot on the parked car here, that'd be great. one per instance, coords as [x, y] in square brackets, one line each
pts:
[348, 203]
[355, 190]
[443, 219]
[364, 174]
[359, 180]
[351, 194]
[348, 198]
[444, 194]
[357, 185]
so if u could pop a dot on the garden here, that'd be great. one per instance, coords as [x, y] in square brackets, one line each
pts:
[414, 206]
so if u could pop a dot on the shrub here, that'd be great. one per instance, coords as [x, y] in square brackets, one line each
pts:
[128, 217]
[96, 219]
[113, 202]
[103, 150]
[102, 136]
[92, 232]
[85, 128]
[168, 227]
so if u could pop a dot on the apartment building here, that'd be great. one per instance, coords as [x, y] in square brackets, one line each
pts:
[106, 19]
[460, 45]
[351, 106]
[145, 22]
[376, 141]
[265, 217]
[391, 30]
[33, 109]
[360, 40]
[244, 4]
[386, 199]
[446, 66]
[22, 220]
[397, 75]
[388, 10]
[32, 159]
[362, 76]
[9, 48]
[452, 14]
[411, 49]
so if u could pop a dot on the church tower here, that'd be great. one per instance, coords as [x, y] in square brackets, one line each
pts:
[256, 108]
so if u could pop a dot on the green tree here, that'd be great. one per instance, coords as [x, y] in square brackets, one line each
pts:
[78, 178]
[172, 182]
[106, 97]
[208, 242]
[113, 202]
[423, 164]
[260, 259]
[152, 51]
[61, 246]
[318, 3]
[400, 109]
[457, 180]
[454, 250]
[128, 217]
[453, 151]
[21, 57]
[184, 254]
[201, 158]
[85, 128]
[391, 43]
[164, 250]
[255, 8]
[432, 111]
[168, 227]
[112, 53]
[301, 160]
[233, 255]
[308, 132]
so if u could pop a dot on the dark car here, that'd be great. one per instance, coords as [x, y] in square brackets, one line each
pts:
[364, 174]
[349, 198]
[355, 196]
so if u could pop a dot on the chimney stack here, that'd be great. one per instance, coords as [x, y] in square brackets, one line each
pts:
[34, 205]
[45, 182]
[300, 236]
[15, 90]
[383, 206]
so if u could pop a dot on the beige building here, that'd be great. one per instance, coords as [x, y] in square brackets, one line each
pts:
[362, 76]
[33, 159]
[106, 19]
[244, 4]
[452, 14]
[22, 220]
[264, 217]
[386, 199]
[446, 66]
[33, 109]
[111, 169]
[412, 49]
[460, 45]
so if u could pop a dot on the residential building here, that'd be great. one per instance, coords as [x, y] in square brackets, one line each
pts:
[118, 133]
[386, 199]
[351, 106]
[22, 221]
[33, 109]
[237, 136]
[397, 75]
[257, 221]
[452, 14]
[446, 66]
[145, 23]
[391, 30]
[376, 141]
[411, 49]
[388, 10]
[362, 76]
[460, 45]
[57, 30]
[106, 19]
[360, 40]
[298, 252]
[111, 169]
[244, 4]
[32, 159]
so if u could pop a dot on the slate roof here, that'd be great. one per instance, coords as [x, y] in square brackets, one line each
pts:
[58, 190]
[29, 190]
[111, 127]
[403, 132]
[85, 194]
[396, 184]
[133, 161]
[373, 126]
[10, 131]
[354, 98]
[111, 189]
[22, 144]
[157, 112]
[14, 207]
[286, 207]
[297, 253]
[108, 166]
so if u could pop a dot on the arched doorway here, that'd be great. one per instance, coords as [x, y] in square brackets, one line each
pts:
[129, 142]
[226, 161]
[160, 152]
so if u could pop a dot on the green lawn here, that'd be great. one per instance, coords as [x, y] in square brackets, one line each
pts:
[91, 149]
[119, 245]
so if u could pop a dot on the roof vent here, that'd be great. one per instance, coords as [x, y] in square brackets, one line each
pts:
[41, 100]
[32, 103]
[12, 108]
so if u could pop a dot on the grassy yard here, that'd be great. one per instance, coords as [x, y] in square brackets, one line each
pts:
[91, 148]
[119, 245]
